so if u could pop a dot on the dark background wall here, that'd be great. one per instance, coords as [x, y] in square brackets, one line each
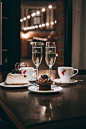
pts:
[10, 33]
[60, 27]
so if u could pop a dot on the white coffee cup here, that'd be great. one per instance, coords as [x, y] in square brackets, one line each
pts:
[28, 71]
[65, 73]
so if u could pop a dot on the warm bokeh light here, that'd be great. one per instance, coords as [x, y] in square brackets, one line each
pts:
[33, 14]
[33, 27]
[47, 24]
[25, 28]
[52, 32]
[24, 18]
[43, 25]
[25, 35]
[40, 26]
[50, 6]
[37, 12]
[36, 26]
[31, 43]
[55, 21]
[28, 17]
[52, 23]
[43, 9]
[21, 20]
[49, 36]
[56, 55]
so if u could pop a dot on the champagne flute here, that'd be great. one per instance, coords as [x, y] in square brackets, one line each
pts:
[50, 55]
[37, 55]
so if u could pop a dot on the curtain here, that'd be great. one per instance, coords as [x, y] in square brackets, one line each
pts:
[79, 34]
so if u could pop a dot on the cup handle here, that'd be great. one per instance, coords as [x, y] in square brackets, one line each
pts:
[75, 73]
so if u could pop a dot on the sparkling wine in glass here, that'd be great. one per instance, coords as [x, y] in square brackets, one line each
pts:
[37, 55]
[50, 54]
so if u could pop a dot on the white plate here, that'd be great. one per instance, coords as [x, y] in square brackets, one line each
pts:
[13, 86]
[72, 81]
[36, 89]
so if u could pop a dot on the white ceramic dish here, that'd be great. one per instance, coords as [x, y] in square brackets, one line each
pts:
[36, 89]
[13, 86]
[58, 80]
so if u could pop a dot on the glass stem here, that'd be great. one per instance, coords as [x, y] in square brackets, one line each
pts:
[50, 68]
[37, 73]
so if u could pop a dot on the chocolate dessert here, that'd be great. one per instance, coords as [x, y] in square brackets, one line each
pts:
[44, 83]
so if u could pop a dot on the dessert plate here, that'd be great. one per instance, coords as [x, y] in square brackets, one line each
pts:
[72, 81]
[53, 89]
[13, 86]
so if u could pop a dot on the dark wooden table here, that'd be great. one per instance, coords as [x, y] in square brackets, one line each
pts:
[23, 109]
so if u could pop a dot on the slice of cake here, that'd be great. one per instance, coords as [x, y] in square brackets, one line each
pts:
[16, 79]
[44, 83]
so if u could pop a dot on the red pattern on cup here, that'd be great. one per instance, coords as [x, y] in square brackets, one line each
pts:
[63, 72]
[24, 72]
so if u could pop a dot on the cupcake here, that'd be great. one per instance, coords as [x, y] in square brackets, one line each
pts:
[44, 83]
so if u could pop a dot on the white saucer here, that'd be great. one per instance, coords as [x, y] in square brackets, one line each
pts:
[13, 86]
[72, 81]
[36, 89]
[33, 79]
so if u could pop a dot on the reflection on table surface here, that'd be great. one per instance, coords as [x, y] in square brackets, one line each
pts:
[32, 108]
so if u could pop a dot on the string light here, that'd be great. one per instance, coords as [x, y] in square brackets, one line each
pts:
[30, 27]
[33, 14]
[47, 24]
[28, 17]
[52, 23]
[21, 20]
[33, 27]
[24, 18]
[40, 26]
[56, 55]
[43, 9]
[55, 21]
[50, 6]
[43, 25]
[36, 26]
[25, 28]
[38, 12]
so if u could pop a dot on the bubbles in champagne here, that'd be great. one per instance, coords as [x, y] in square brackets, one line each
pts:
[50, 56]
[37, 55]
